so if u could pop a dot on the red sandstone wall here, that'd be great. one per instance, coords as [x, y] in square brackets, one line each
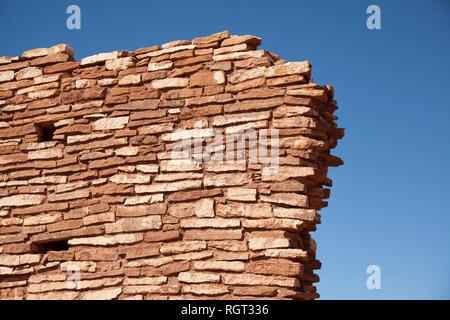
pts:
[102, 195]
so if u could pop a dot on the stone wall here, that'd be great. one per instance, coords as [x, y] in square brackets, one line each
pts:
[96, 203]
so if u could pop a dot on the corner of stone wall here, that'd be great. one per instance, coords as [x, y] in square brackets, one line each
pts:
[92, 183]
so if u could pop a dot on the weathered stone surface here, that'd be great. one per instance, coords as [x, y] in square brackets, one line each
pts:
[205, 78]
[157, 128]
[198, 277]
[168, 187]
[284, 173]
[182, 247]
[203, 208]
[231, 256]
[247, 74]
[62, 67]
[209, 223]
[237, 266]
[60, 295]
[290, 111]
[256, 291]
[146, 281]
[193, 195]
[295, 122]
[99, 218]
[212, 234]
[253, 105]
[235, 48]
[190, 256]
[140, 251]
[275, 267]
[205, 289]
[220, 98]
[239, 118]
[178, 176]
[234, 40]
[286, 253]
[110, 123]
[77, 194]
[54, 153]
[103, 294]
[259, 280]
[6, 75]
[303, 67]
[272, 224]
[227, 179]
[96, 254]
[241, 194]
[42, 219]
[27, 73]
[290, 199]
[235, 209]
[147, 168]
[67, 234]
[175, 165]
[300, 214]
[155, 66]
[108, 240]
[129, 178]
[170, 83]
[141, 210]
[51, 59]
[33, 53]
[119, 64]
[21, 200]
[157, 236]
[41, 208]
[134, 224]
[239, 55]
[130, 79]
[259, 243]
[99, 58]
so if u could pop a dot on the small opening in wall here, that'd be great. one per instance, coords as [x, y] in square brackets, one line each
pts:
[45, 131]
[42, 248]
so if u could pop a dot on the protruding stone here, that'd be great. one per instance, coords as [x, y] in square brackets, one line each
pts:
[212, 38]
[99, 58]
[289, 68]
[22, 200]
[110, 123]
[27, 73]
[234, 40]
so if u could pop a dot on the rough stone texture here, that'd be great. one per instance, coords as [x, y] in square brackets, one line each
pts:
[111, 195]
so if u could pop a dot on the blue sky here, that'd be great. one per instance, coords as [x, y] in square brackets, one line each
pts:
[389, 204]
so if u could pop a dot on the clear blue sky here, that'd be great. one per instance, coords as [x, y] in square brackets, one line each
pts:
[389, 205]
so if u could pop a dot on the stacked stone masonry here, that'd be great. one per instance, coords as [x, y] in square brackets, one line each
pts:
[89, 186]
